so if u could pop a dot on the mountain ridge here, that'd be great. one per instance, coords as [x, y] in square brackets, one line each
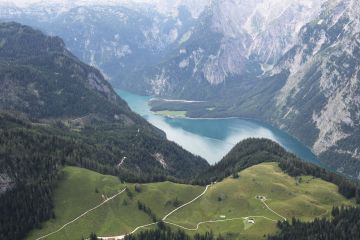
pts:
[45, 92]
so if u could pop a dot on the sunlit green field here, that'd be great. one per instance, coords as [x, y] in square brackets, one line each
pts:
[77, 193]
[304, 198]
[80, 190]
[175, 114]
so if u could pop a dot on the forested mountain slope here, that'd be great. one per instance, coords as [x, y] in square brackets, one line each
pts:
[311, 91]
[263, 183]
[290, 63]
[56, 110]
[253, 151]
[319, 102]
[119, 39]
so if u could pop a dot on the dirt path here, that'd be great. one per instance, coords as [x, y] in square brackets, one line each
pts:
[75, 219]
[227, 220]
[123, 236]
[217, 221]
[184, 205]
[263, 201]
[164, 218]
[198, 224]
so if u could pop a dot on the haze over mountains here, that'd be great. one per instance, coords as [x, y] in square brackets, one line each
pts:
[56, 110]
[290, 63]
[68, 141]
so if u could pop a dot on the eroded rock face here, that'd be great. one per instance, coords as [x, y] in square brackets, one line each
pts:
[160, 158]
[322, 92]
[313, 45]
[6, 183]
[256, 29]
[233, 34]
[326, 59]
[259, 29]
[119, 38]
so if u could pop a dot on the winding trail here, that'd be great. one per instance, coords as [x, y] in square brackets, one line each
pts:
[163, 219]
[217, 221]
[198, 224]
[123, 236]
[176, 209]
[75, 219]
[119, 237]
[263, 201]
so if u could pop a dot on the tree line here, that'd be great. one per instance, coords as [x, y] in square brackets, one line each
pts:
[251, 152]
[344, 225]
[148, 211]
[33, 155]
[162, 232]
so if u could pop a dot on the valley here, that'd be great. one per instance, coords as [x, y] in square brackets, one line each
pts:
[180, 119]
[287, 63]
[212, 138]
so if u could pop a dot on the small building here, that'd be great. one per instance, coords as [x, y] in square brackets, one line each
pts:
[251, 221]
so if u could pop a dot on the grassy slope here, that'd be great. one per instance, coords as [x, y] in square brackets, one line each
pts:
[306, 200]
[76, 193]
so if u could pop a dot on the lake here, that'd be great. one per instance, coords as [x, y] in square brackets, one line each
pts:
[212, 139]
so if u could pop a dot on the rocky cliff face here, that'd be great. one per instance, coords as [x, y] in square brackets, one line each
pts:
[238, 33]
[45, 84]
[160, 40]
[6, 183]
[40, 77]
[309, 78]
[274, 27]
[118, 39]
[293, 63]
[322, 91]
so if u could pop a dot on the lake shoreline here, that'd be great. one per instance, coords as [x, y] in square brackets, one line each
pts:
[212, 138]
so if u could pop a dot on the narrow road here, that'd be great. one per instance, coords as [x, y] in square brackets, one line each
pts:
[207, 187]
[164, 218]
[75, 219]
[197, 225]
[217, 221]
[123, 236]
[263, 201]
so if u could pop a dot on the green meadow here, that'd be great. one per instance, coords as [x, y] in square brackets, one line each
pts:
[80, 190]
[173, 114]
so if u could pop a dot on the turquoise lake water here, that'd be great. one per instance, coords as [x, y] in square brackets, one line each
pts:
[212, 139]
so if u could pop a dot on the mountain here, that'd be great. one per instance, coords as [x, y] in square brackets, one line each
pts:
[237, 55]
[261, 174]
[312, 91]
[319, 101]
[309, 88]
[41, 78]
[169, 7]
[251, 152]
[56, 111]
[243, 39]
[120, 39]
[46, 82]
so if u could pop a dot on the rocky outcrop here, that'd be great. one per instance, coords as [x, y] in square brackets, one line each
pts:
[6, 183]
[239, 32]
[293, 63]
[322, 91]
